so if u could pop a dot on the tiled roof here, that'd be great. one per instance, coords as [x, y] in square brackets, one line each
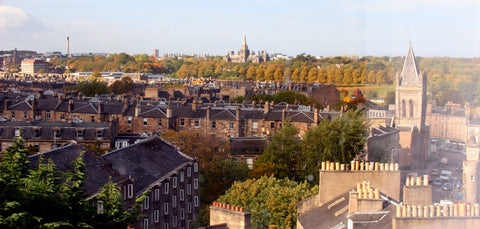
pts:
[154, 112]
[85, 108]
[147, 161]
[23, 105]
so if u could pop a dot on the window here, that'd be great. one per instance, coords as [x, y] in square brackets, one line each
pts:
[174, 221]
[79, 134]
[196, 123]
[99, 133]
[182, 213]
[182, 194]
[156, 216]
[156, 195]
[230, 125]
[25, 115]
[124, 192]
[254, 125]
[189, 207]
[37, 133]
[130, 190]
[145, 223]
[47, 115]
[12, 114]
[159, 122]
[145, 122]
[195, 201]
[214, 125]
[182, 122]
[174, 182]
[195, 183]
[146, 202]
[189, 171]
[165, 191]
[195, 167]
[129, 120]
[99, 207]
[181, 176]
[189, 189]
[272, 125]
[92, 118]
[174, 201]
[62, 116]
[36, 147]
[165, 208]
[165, 226]
[472, 178]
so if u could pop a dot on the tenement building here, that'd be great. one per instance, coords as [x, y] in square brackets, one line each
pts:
[154, 167]
[245, 55]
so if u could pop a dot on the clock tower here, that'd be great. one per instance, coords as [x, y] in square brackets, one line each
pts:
[471, 184]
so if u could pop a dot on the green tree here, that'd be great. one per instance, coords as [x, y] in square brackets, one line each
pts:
[91, 88]
[283, 152]
[272, 201]
[124, 85]
[340, 140]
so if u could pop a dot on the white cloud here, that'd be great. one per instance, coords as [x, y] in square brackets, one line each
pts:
[15, 18]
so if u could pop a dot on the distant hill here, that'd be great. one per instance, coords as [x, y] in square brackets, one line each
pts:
[21, 53]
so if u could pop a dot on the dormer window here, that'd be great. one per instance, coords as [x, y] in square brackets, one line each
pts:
[47, 115]
[79, 134]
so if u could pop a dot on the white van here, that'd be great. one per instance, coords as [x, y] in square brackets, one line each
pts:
[445, 175]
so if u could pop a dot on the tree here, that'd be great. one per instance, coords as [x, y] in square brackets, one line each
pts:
[278, 75]
[282, 151]
[91, 88]
[272, 201]
[124, 85]
[340, 140]
[43, 197]
[251, 73]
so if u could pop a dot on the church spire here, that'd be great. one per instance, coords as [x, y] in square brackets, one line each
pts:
[244, 39]
[410, 74]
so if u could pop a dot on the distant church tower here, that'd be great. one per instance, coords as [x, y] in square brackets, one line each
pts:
[244, 51]
[471, 184]
[411, 94]
[410, 111]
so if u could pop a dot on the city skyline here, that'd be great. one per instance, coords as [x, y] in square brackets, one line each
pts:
[319, 28]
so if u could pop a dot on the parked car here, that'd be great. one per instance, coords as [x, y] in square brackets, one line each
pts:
[445, 175]
[434, 172]
[437, 181]
[447, 186]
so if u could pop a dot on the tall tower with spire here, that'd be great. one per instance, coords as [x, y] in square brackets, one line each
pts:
[471, 171]
[411, 93]
[410, 112]
[244, 52]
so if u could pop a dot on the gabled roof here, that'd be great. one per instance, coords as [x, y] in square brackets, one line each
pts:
[98, 170]
[155, 112]
[147, 161]
[86, 108]
[223, 114]
[23, 105]
[47, 104]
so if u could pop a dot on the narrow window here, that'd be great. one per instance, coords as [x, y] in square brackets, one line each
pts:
[99, 133]
[165, 208]
[254, 125]
[195, 201]
[156, 216]
[231, 125]
[181, 176]
[130, 191]
[195, 183]
[410, 107]
[182, 194]
[129, 120]
[100, 207]
[25, 115]
[79, 134]
[47, 115]
[159, 122]
[145, 223]
[196, 123]
[92, 118]
[174, 182]
[214, 125]
[146, 203]
[189, 171]
[182, 122]
[272, 125]
[189, 189]
[145, 123]
[182, 213]
[165, 191]
[156, 196]
[174, 201]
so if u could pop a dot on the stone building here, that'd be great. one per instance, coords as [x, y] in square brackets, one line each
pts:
[471, 172]
[154, 166]
[33, 66]
[245, 55]
[411, 104]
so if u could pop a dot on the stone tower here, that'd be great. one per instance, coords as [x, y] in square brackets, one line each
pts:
[244, 51]
[410, 112]
[471, 171]
[411, 94]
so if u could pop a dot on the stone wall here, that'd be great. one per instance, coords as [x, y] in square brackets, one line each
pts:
[343, 178]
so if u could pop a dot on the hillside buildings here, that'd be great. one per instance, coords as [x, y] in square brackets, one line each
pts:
[245, 55]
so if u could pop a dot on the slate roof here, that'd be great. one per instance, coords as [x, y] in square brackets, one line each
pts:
[23, 105]
[147, 161]
[85, 108]
[47, 104]
[97, 169]
[155, 112]
[247, 144]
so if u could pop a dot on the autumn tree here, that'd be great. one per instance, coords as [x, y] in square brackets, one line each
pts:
[272, 201]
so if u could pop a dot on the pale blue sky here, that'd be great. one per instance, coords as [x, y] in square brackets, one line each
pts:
[321, 27]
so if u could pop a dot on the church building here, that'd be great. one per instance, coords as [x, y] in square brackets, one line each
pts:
[245, 55]
[410, 106]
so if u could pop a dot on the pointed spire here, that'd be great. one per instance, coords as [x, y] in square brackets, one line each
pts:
[410, 74]
[244, 39]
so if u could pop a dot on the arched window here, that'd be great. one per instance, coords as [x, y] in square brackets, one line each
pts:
[404, 109]
[410, 108]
